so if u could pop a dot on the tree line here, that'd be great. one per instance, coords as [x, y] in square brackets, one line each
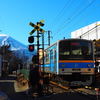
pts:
[14, 59]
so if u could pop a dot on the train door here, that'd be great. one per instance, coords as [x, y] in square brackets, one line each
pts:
[51, 61]
[55, 61]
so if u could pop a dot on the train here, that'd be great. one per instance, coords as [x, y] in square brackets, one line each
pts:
[71, 60]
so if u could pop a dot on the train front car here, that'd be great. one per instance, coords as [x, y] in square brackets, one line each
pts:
[76, 61]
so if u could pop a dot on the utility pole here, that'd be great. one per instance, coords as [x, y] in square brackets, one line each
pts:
[43, 47]
[3, 54]
[23, 59]
[48, 38]
[43, 52]
[38, 45]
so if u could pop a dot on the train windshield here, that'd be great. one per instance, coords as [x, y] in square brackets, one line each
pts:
[79, 50]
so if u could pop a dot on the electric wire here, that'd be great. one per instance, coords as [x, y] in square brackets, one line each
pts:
[76, 16]
[55, 21]
[58, 16]
[78, 8]
[70, 14]
[62, 14]
[66, 11]
[81, 19]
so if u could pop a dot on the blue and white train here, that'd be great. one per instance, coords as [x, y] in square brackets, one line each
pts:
[71, 59]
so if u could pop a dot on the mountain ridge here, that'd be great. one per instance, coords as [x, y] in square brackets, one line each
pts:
[15, 45]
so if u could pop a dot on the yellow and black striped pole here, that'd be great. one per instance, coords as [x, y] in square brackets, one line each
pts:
[95, 48]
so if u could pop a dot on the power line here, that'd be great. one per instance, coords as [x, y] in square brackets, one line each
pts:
[59, 14]
[72, 14]
[76, 16]
[64, 13]
[82, 18]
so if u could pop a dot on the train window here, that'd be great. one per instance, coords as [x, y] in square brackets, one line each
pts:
[75, 50]
[55, 56]
[82, 48]
[47, 57]
[86, 49]
[64, 48]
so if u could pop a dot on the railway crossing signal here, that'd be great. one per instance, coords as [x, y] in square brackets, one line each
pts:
[31, 38]
[37, 27]
[31, 46]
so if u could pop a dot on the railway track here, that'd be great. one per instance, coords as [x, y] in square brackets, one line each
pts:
[61, 86]
[91, 92]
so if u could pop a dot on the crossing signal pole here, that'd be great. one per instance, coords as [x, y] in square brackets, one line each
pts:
[35, 58]
[38, 36]
[31, 38]
[38, 45]
[96, 46]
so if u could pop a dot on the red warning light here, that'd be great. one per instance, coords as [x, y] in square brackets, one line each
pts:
[31, 48]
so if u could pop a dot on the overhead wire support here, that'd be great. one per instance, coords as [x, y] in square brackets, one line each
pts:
[48, 38]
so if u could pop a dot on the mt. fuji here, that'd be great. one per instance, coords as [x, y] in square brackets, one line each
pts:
[15, 45]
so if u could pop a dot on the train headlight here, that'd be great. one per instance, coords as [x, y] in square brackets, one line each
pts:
[89, 69]
[63, 65]
[63, 69]
[89, 65]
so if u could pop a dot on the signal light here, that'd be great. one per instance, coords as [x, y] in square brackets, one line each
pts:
[31, 39]
[95, 46]
[31, 48]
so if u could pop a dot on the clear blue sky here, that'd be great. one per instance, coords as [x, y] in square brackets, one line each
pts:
[61, 17]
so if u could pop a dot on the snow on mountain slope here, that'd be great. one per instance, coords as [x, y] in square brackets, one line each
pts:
[15, 45]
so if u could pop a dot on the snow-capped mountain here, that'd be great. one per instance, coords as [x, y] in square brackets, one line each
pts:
[15, 45]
